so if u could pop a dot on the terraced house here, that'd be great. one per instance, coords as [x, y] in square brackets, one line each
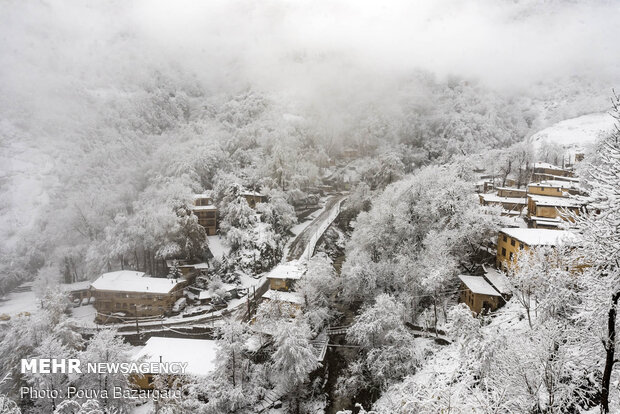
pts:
[510, 241]
[206, 212]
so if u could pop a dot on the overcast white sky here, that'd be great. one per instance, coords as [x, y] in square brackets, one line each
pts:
[304, 45]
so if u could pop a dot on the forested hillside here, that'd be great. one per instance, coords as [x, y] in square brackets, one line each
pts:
[122, 134]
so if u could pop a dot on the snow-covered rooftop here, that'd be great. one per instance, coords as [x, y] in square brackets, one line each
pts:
[200, 354]
[498, 280]
[554, 201]
[547, 165]
[201, 196]
[560, 184]
[290, 297]
[554, 184]
[203, 208]
[520, 190]
[478, 285]
[132, 281]
[541, 237]
[547, 221]
[494, 198]
[288, 270]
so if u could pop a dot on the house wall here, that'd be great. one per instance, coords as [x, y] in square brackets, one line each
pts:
[545, 191]
[476, 302]
[553, 171]
[548, 211]
[133, 303]
[511, 192]
[208, 220]
[507, 249]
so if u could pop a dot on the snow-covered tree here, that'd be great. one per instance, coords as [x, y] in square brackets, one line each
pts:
[318, 286]
[598, 250]
[293, 359]
[105, 346]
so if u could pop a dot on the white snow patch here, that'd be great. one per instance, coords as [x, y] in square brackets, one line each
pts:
[21, 301]
[199, 354]
[576, 133]
[218, 246]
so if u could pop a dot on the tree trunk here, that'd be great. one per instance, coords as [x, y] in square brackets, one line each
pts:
[435, 310]
[610, 352]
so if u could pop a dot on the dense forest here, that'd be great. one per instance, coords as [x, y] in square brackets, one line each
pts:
[114, 115]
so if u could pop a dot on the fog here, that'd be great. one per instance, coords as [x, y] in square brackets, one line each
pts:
[325, 49]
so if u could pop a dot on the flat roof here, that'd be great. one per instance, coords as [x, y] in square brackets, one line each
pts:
[494, 198]
[521, 190]
[199, 354]
[286, 271]
[478, 285]
[547, 165]
[290, 297]
[555, 183]
[132, 281]
[201, 208]
[559, 177]
[553, 201]
[547, 219]
[541, 237]
[498, 280]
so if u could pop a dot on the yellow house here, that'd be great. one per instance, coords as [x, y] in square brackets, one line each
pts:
[206, 212]
[550, 207]
[511, 192]
[479, 294]
[512, 240]
[284, 276]
[544, 169]
[200, 355]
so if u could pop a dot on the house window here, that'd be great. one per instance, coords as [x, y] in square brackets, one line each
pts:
[520, 246]
[505, 238]
[503, 251]
[512, 242]
[511, 255]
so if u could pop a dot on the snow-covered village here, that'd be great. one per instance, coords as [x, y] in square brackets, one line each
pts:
[309, 207]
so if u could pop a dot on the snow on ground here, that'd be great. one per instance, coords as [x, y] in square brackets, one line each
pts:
[84, 315]
[443, 365]
[218, 246]
[575, 133]
[199, 354]
[22, 299]
[247, 281]
[147, 408]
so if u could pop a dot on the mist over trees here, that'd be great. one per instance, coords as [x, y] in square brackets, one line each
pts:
[113, 115]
